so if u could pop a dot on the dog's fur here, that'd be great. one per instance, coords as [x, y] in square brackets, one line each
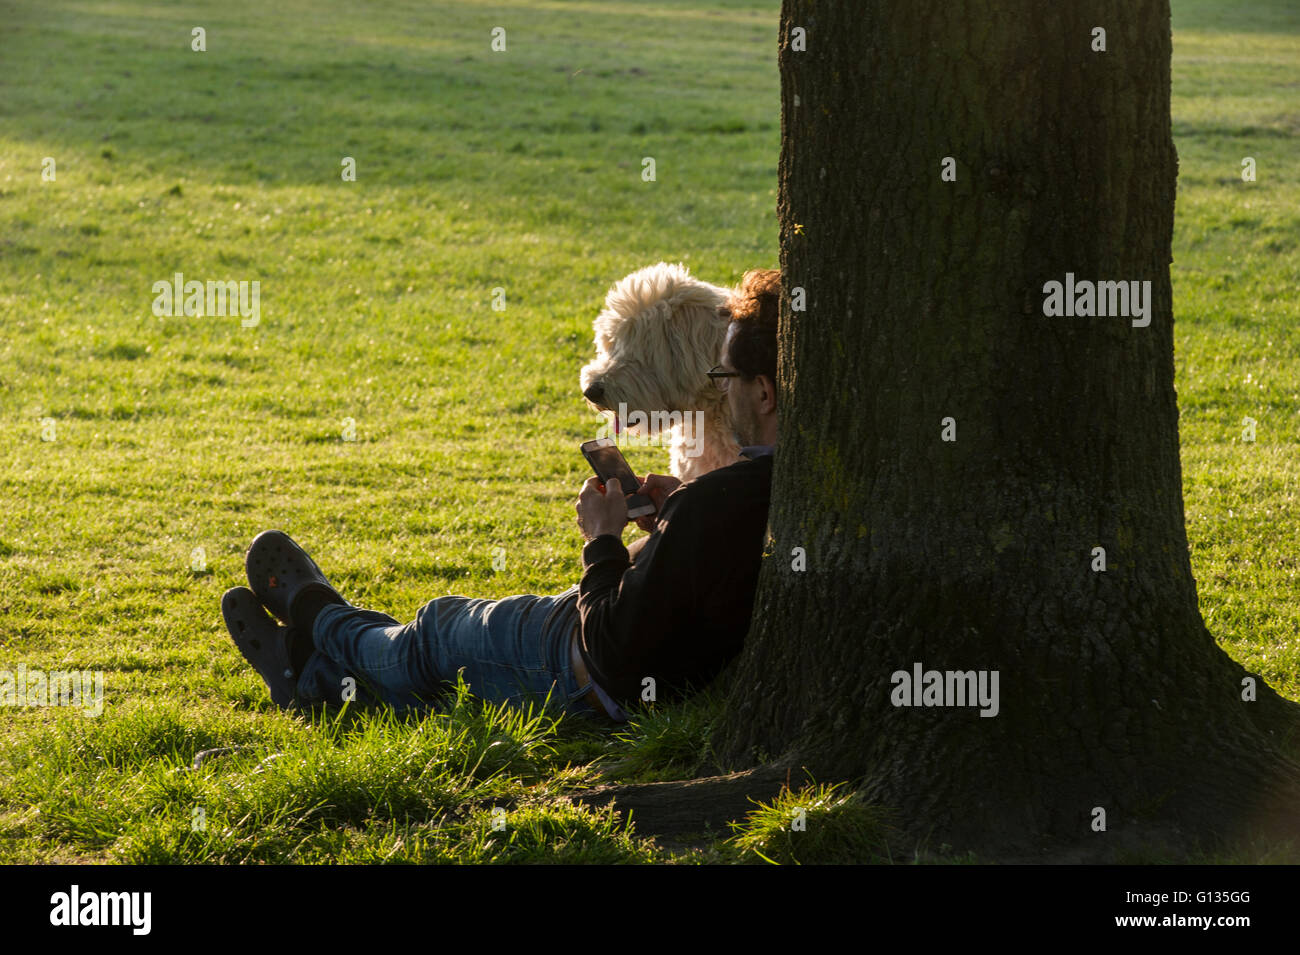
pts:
[656, 339]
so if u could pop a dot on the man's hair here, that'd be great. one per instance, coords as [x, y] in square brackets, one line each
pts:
[753, 307]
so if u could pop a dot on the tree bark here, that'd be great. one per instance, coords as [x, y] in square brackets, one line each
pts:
[924, 302]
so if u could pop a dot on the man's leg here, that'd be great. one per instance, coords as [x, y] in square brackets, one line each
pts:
[511, 649]
[324, 680]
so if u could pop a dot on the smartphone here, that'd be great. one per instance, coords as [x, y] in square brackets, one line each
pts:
[608, 462]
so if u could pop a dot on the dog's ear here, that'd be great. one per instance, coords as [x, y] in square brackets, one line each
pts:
[697, 335]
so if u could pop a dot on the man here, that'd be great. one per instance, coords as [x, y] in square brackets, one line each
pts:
[646, 624]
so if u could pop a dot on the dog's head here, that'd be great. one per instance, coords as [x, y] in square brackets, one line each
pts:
[656, 339]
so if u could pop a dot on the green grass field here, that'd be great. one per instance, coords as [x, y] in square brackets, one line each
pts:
[475, 171]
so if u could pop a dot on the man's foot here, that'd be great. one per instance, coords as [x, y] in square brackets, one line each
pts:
[263, 642]
[287, 581]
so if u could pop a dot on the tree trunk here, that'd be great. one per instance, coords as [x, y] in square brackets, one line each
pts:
[925, 301]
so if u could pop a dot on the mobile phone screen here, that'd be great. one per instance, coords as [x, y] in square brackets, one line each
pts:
[608, 462]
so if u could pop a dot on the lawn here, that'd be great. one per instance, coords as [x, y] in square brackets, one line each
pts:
[418, 438]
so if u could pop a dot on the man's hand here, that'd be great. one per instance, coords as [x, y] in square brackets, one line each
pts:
[657, 487]
[601, 513]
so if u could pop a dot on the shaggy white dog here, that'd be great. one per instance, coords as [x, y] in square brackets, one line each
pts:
[656, 339]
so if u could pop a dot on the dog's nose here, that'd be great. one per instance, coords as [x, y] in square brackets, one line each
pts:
[595, 391]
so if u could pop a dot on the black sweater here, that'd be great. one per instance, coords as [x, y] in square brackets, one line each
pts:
[680, 609]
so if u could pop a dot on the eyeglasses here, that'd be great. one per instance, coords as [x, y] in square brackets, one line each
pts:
[722, 379]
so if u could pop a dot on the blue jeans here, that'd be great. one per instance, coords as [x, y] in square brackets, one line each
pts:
[513, 649]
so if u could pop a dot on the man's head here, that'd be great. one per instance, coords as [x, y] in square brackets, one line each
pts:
[750, 350]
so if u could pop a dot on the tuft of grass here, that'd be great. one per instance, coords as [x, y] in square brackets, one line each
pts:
[817, 824]
[666, 742]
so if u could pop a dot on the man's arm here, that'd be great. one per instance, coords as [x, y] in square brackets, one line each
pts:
[634, 549]
[598, 518]
[682, 608]
[627, 608]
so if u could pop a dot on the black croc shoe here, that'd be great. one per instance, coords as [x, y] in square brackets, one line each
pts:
[263, 642]
[279, 570]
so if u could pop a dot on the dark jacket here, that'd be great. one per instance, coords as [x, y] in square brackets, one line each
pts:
[679, 609]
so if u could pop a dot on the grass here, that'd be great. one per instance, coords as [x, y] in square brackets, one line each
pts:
[818, 824]
[178, 439]
[476, 783]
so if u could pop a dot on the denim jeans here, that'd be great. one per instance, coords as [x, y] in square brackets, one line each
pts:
[512, 649]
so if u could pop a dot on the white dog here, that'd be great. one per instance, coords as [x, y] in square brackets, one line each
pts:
[657, 338]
